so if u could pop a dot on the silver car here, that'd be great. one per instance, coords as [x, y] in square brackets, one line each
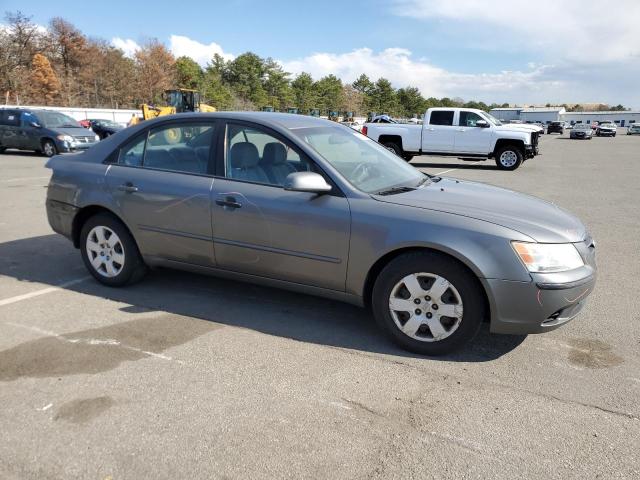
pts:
[315, 207]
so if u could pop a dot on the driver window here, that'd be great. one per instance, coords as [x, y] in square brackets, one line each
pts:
[469, 119]
[253, 155]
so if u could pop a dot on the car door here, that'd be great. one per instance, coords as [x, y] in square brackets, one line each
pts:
[261, 229]
[470, 138]
[161, 185]
[438, 134]
[29, 136]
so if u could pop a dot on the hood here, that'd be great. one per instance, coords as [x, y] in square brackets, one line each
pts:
[541, 220]
[519, 127]
[74, 131]
[607, 127]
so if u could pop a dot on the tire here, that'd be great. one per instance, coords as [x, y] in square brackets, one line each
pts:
[123, 255]
[49, 148]
[2, 149]
[394, 147]
[509, 157]
[465, 299]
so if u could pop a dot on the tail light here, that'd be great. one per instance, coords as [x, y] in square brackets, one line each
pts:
[364, 129]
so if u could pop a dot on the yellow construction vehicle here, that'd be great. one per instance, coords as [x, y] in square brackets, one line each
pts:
[178, 100]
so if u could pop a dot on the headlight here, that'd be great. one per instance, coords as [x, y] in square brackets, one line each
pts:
[548, 257]
[97, 138]
[65, 138]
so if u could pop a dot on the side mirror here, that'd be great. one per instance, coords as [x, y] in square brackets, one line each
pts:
[306, 182]
[35, 124]
[482, 124]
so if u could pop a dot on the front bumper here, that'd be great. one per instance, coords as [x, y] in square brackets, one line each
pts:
[544, 303]
[66, 147]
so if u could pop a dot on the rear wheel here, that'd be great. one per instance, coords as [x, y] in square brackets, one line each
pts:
[509, 157]
[428, 303]
[109, 251]
[393, 147]
[49, 148]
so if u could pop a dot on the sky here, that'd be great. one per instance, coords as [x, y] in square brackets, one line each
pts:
[516, 51]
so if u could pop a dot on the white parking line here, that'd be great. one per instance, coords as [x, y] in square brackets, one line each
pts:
[452, 169]
[21, 178]
[37, 293]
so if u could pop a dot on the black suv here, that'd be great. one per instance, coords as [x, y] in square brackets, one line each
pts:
[45, 131]
[556, 127]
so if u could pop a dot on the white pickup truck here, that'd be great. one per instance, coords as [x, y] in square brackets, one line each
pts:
[459, 132]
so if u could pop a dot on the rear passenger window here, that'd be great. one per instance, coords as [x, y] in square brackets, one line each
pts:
[9, 117]
[180, 148]
[255, 156]
[441, 117]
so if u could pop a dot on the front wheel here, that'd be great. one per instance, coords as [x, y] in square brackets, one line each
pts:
[109, 251]
[428, 303]
[49, 148]
[509, 157]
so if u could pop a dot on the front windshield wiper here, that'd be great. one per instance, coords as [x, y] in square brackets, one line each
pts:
[394, 190]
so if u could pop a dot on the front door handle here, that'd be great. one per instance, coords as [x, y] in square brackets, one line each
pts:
[128, 187]
[228, 202]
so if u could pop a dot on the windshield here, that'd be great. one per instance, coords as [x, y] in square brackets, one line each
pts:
[106, 123]
[580, 126]
[491, 119]
[364, 163]
[608, 125]
[56, 120]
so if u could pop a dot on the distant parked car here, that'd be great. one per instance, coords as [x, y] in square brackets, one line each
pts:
[86, 123]
[105, 128]
[606, 130]
[556, 127]
[582, 131]
[45, 131]
[541, 125]
[634, 129]
[382, 119]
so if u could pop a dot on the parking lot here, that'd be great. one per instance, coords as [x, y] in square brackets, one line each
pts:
[186, 376]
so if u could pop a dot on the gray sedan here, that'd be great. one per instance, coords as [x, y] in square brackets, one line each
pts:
[313, 206]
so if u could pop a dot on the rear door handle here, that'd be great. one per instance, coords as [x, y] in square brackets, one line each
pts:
[228, 202]
[128, 187]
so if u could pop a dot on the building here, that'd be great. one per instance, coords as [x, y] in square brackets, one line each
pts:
[622, 118]
[506, 114]
[542, 114]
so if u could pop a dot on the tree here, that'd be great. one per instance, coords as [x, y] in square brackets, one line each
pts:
[304, 94]
[188, 73]
[410, 102]
[44, 82]
[329, 93]
[216, 93]
[365, 87]
[384, 97]
[68, 45]
[245, 76]
[155, 69]
[277, 85]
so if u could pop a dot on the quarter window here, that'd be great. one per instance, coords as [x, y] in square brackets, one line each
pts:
[441, 117]
[255, 156]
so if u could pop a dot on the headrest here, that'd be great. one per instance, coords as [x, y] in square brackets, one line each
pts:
[244, 155]
[275, 153]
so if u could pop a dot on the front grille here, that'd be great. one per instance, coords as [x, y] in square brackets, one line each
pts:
[85, 139]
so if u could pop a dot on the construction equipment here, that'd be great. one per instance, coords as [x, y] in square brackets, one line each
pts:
[178, 100]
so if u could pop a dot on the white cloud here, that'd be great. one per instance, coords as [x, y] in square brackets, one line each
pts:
[200, 52]
[128, 46]
[583, 31]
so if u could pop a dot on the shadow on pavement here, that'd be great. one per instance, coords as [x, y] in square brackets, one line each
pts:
[52, 260]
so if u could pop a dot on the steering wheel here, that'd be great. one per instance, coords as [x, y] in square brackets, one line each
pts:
[361, 172]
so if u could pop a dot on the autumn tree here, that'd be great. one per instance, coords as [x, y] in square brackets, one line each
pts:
[155, 71]
[45, 85]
